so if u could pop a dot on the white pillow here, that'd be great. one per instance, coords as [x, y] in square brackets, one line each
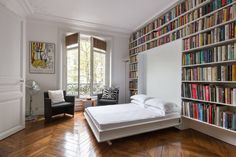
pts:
[56, 96]
[171, 107]
[138, 103]
[140, 97]
[156, 103]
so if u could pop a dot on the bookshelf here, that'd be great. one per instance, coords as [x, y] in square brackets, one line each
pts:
[186, 19]
[208, 31]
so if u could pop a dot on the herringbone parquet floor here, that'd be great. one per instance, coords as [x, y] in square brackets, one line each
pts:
[72, 137]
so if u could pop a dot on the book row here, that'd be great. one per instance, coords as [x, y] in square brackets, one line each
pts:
[222, 33]
[220, 16]
[168, 38]
[211, 93]
[215, 73]
[133, 59]
[133, 84]
[213, 36]
[133, 67]
[133, 74]
[133, 92]
[212, 114]
[216, 54]
[173, 13]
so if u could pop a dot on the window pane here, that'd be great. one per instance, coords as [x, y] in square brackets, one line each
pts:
[85, 67]
[99, 70]
[72, 72]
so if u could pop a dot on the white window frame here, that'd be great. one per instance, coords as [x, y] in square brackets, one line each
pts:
[107, 66]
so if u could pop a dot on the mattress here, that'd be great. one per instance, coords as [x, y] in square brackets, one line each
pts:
[123, 115]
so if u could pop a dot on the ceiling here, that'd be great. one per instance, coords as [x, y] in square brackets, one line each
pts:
[123, 14]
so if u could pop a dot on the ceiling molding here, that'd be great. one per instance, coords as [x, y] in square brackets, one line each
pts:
[79, 23]
[19, 7]
[26, 6]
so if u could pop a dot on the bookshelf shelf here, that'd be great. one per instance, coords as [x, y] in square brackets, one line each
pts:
[209, 102]
[133, 55]
[133, 89]
[210, 64]
[210, 82]
[212, 125]
[133, 62]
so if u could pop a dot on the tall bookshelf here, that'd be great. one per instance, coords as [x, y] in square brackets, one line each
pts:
[208, 31]
[133, 74]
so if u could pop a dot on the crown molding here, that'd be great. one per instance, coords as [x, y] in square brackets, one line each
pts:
[21, 8]
[24, 9]
[81, 24]
[26, 6]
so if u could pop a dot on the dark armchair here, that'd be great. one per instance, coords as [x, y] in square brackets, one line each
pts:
[51, 109]
[104, 101]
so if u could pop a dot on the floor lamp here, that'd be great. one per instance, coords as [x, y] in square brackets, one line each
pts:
[32, 88]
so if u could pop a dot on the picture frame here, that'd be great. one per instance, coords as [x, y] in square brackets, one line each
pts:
[42, 58]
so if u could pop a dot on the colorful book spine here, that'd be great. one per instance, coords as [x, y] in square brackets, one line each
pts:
[210, 113]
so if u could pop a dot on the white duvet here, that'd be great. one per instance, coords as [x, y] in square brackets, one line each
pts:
[111, 114]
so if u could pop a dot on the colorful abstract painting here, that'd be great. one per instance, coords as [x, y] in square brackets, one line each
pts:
[42, 57]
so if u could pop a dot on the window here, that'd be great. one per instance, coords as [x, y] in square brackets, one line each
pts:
[86, 68]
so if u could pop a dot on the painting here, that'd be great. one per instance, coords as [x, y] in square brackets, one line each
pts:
[42, 57]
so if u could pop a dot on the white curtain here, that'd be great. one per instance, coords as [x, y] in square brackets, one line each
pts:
[142, 59]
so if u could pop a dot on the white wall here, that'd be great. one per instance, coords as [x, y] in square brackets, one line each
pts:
[163, 72]
[51, 32]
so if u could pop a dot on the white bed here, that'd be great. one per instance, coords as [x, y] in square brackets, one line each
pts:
[116, 121]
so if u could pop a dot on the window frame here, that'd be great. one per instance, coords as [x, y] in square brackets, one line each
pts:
[93, 50]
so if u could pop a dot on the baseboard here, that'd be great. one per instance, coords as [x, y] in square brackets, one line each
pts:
[11, 131]
[223, 135]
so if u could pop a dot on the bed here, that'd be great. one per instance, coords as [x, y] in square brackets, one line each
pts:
[117, 121]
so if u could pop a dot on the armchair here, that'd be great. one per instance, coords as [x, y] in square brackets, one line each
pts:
[51, 109]
[105, 101]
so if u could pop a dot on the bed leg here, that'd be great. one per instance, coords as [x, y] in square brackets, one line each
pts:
[109, 143]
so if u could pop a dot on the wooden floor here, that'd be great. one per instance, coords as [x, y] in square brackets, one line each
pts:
[72, 137]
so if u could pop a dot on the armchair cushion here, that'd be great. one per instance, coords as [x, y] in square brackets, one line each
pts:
[62, 104]
[56, 96]
[107, 101]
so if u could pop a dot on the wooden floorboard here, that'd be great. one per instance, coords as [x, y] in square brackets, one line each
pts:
[72, 137]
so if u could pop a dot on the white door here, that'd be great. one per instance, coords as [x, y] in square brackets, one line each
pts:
[12, 89]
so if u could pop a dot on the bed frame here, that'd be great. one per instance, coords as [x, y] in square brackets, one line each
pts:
[128, 130]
